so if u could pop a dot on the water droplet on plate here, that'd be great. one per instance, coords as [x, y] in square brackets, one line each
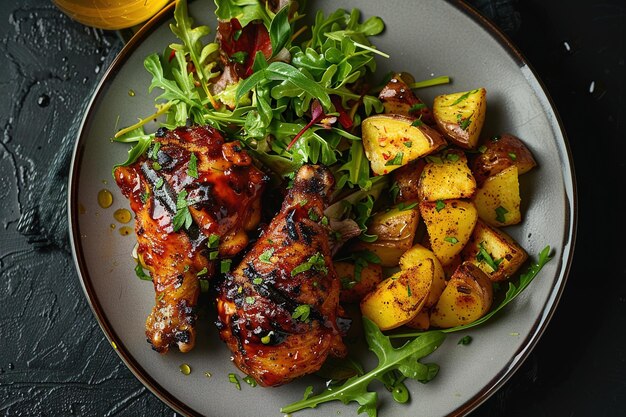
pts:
[43, 100]
[185, 369]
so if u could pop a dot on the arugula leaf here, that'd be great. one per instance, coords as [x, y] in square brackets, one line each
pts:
[280, 30]
[245, 11]
[404, 359]
[142, 143]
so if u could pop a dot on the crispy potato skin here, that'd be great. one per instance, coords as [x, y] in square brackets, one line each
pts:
[500, 246]
[399, 298]
[398, 98]
[407, 179]
[391, 141]
[467, 297]
[395, 230]
[499, 153]
[460, 116]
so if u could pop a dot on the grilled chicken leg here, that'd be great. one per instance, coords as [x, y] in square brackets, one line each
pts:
[192, 194]
[278, 310]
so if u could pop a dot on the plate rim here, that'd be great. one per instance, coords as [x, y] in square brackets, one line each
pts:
[518, 358]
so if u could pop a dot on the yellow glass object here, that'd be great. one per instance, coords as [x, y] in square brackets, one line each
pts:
[110, 14]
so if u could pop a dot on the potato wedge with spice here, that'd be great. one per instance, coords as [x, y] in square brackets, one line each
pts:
[399, 298]
[416, 255]
[391, 141]
[493, 251]
[467, 297]
[498, 200]
[446, 176]
[449, 224]
[460, 116]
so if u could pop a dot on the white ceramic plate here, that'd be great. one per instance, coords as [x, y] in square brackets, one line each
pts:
[427, 38]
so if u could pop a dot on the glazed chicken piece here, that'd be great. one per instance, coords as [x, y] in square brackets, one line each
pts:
[278, 311]
[192, 194]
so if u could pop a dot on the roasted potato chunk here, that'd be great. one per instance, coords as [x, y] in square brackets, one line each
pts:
[399, 298]
[416, 255]
[460, 116]
[490, 247]
[499, 153]
[357, 282]
[467, 297]
[449, 224]
[406, 179]
[398, 98]
[498, 200]
[446, 176]
[395, 230]
[391, 141]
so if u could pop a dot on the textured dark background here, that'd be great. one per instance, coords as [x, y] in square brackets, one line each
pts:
[55, 361]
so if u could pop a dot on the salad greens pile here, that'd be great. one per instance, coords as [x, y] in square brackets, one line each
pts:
[302, 104]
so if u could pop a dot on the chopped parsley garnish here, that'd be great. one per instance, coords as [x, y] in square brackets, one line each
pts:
[484, 256]
[214, 241]
[417, 107]
[192, 168]
[439, 205]
[303, 203]
[257, 281]
[451, 239]
[313, 215]
[266, 256]
[404, 207]
[186, 268]
[417, 122]
[225, 265]
[213, 255]
[452, 157]
[204, 285]
[302, 313]
[324, 221]
[141, 274]
[464, 123]
[482, 148]
[237, 34]
[513, 156]
[239, 57]
[249, 300]
[203, 271]
[500, 212]
[156, 166]
[154, 152]
[144, 197]
[250, 381]
[466, 340]
[159, 183]
[434, 159]
[182, 218]
[234, 380]
[316, 262]
[408, 290]
[463, 97]
[408, 143]
[361, 260]
[397, 160]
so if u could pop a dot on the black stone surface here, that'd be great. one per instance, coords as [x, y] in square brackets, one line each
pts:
[54, 359]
